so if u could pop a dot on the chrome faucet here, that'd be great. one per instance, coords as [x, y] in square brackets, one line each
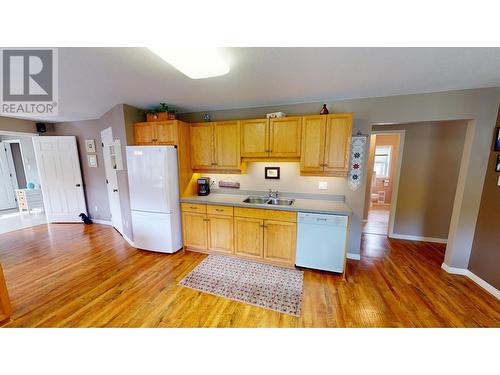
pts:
[273, 194]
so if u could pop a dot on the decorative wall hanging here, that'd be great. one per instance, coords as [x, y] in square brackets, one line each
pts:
[272, 173]
[92, 161]
[90, 146]
[497, 140]
[356, 168]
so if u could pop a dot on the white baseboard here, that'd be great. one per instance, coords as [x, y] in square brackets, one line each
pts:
[130, 242]
[104, 222]
[464, 272]
[353, 256]
[417, 238]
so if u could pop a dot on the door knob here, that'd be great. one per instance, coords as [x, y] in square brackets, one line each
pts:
[78, 185]
[115, 190]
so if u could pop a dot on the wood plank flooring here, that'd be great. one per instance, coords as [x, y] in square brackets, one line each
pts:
[70, 275]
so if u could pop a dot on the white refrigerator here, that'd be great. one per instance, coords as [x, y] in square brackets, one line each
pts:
[154, 198]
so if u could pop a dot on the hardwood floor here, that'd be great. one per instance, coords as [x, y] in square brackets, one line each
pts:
[70, 275]
[377, 221]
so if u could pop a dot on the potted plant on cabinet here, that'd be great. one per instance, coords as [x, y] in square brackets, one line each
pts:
[162, 112]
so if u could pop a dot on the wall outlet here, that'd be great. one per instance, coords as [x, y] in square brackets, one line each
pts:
[323, 185]
[213, 182]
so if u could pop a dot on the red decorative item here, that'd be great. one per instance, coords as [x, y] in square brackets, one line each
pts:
[324, 110]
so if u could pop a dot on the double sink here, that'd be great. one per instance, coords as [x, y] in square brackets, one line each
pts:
[269, 200]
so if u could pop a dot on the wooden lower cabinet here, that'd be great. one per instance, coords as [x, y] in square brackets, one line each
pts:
[249, 237]
[195, 230]
[279, 241]
[267, 236]
[220, 234]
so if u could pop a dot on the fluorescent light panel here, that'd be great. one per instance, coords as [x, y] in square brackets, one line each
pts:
[196, 63]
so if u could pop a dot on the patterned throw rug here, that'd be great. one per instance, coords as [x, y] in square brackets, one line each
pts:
[258, 284]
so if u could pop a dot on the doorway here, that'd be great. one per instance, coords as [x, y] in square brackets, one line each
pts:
[21, 202]
[384, 163]
[108, 146]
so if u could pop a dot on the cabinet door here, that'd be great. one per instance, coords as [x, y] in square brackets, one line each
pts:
[227, 145]
[202, 146]
[338, 143]
[195, 230]
[284, 137]
[166, 133]
[144, 133]
[220, 233]
[255, 138]
[249, 237]
[280, 241]
[312, 153]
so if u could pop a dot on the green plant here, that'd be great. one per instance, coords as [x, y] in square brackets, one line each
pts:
[162, 108]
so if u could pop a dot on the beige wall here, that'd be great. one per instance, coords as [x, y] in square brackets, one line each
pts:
[432, 153]
[16, 125]
[485, 256]
[479, 104]
[290, 179]
[95, 178]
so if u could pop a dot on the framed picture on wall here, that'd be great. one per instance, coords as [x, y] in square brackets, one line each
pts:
[498, 164]
[90, 145]
[272, 173]
[497, 140]
[92, 161]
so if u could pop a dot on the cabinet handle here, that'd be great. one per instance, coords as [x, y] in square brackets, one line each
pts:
[193, 208]
[219, 210]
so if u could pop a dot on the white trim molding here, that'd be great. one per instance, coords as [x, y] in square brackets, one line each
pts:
[464, 272]
[107, 222]
[417, 238]
[130, 242]
[103, 222]
[353, 256]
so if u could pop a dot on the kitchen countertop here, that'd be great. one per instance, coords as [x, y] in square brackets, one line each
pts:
[321, 206]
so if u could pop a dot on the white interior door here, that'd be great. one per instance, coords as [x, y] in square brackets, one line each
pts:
[7, 195]
[60, 178]
[111, 180]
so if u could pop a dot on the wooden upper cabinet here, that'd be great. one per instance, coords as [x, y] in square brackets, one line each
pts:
[338, 143]
[255, 138]
[227, 145]
[312, 153]
[279, 241]
[284, 137]
[202, 151]
[166, 133]
[144, 133]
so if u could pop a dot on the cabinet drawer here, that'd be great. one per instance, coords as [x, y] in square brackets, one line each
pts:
[266, 214]
[220, 210]
[194, 207]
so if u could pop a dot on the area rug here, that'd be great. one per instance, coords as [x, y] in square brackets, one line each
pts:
[263, 285]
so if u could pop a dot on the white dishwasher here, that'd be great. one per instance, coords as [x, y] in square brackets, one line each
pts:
[321, 241]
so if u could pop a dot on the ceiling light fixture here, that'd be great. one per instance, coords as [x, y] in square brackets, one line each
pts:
[196, 63]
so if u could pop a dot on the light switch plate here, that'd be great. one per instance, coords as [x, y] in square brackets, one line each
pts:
[323, 185]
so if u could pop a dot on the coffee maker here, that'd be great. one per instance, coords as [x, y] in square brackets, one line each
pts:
[203, 185]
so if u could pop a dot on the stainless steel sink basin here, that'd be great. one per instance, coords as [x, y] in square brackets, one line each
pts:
[281, 201]
[256, 200]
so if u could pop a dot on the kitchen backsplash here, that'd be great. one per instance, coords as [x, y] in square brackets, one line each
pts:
[290, 179]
